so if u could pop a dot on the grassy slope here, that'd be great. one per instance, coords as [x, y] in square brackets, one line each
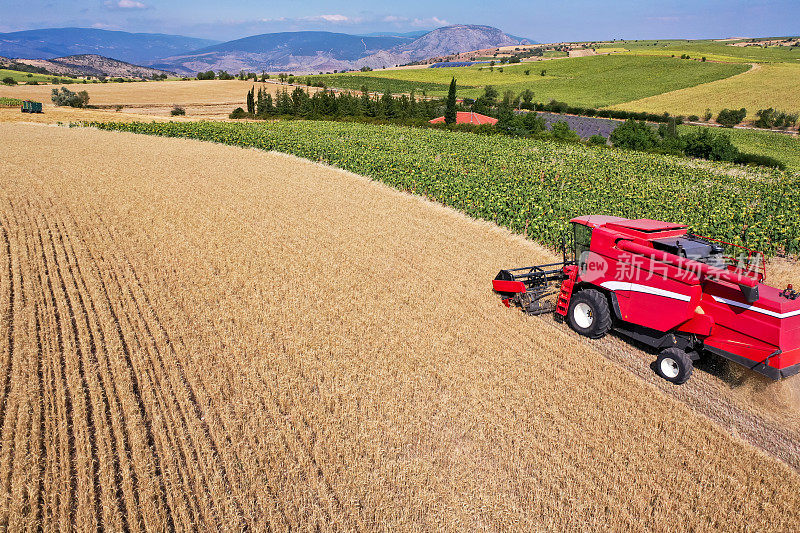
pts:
[783, 147]
[711, 49]
[770, 85]
[534, 186]
[22, 77]
[299, 361]
[595, 81]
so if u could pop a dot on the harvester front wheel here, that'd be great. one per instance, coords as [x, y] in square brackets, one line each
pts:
[589, 313]
[674, 365]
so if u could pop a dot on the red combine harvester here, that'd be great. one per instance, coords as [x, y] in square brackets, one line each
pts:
[660, 285]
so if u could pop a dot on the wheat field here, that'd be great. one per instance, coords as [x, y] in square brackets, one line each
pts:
[202, 337]
[770, 85]
[200, 98]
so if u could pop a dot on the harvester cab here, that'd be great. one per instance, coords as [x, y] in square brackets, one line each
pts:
[681, 294]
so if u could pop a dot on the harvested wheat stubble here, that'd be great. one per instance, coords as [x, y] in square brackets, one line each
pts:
[201, 336]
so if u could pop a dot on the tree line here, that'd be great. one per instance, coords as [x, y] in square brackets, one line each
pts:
[299, 103]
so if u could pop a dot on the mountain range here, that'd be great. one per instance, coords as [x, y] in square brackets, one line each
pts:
[85, 65]
[138, 48]
[304, 51]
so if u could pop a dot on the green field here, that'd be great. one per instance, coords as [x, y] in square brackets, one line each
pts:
[22, 77]
[532, 186]
[711, 49]
[595, 81]
[10, 102]
[785, 148]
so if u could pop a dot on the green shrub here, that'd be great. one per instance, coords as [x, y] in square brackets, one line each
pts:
[597, 140]
[731, 117]
[771, 118]
[238, 113]
[9, 81]
[635, 135]
[533, 123]
[694, 118]
[65, 97]
[708, 145]
[177, 111]
[560, 130]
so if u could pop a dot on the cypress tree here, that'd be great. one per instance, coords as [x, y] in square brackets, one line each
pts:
[450, 110]
[251, 104]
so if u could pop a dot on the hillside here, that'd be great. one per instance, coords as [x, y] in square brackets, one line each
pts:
[93, 65]
[305, 50]
[452, 40]
[313, 51]
[214, 346]
[136, 48]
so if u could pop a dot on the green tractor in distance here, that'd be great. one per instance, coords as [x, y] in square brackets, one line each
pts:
[29, 106]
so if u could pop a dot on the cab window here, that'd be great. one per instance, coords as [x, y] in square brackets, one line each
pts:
[583, 239]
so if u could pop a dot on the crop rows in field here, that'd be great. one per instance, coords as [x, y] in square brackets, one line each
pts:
[595, 81]
[584, 126]
[712, 50]
[9, 102]
[533, 186]
[202, 338]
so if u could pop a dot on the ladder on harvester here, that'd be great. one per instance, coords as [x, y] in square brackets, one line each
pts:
[562, 304]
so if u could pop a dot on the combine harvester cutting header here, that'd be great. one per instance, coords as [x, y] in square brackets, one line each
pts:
[662, 286]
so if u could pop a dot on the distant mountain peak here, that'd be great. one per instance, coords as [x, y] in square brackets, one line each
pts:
[310, 51]
[303, 51]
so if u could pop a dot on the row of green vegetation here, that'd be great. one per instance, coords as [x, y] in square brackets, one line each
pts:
[10, 102]
[531, 186]
[785, 148]
[407, 110]
[702, 144]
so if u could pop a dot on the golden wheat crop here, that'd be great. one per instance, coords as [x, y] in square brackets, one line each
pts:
[200, 98]
[198, 336]
[771, 85]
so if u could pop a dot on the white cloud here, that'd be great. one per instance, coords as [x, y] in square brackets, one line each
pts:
[337, 19]
[125, 4]
[428, 22]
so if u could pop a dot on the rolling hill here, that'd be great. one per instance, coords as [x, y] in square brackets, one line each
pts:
[317, 51]
[137, 48]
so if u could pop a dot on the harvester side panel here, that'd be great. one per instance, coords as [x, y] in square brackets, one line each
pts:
[660, 300]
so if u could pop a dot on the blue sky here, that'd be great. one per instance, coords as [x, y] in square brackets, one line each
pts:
[544, 21]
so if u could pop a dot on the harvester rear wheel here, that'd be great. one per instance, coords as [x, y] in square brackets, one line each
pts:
[589, 313]
[674, 365]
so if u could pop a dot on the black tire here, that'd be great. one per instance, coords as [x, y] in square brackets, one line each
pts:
[599, 314]
[674, 365]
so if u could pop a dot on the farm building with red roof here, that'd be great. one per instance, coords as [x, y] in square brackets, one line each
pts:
[468, 117]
